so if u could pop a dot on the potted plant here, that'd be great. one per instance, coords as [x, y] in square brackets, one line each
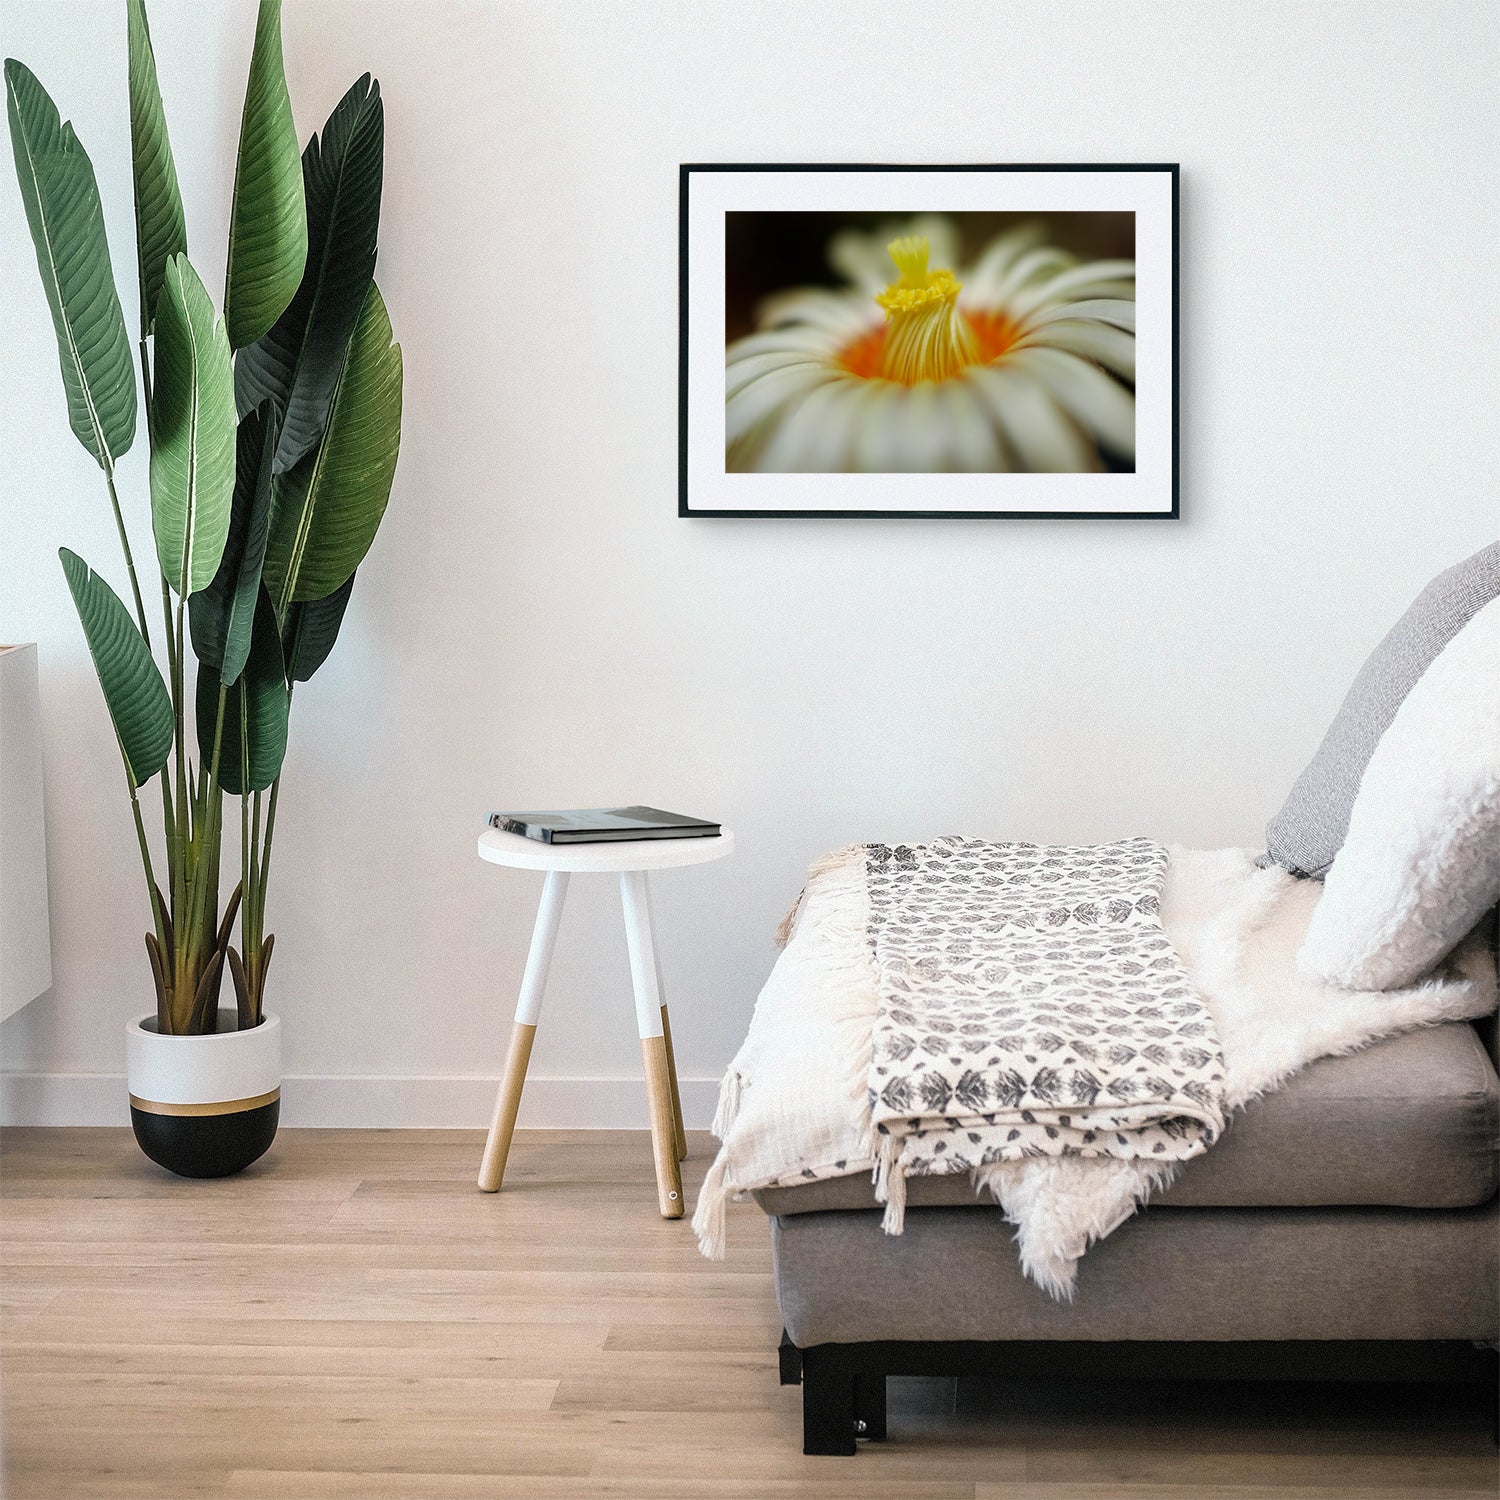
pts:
[273, 431]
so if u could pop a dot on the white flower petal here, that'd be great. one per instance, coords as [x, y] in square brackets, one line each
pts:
[814, 432]
[1033, 264]
[1070, 283]
[860, 258]
[794, 340]
[877, 440]
[982, 280]
[845, 422]
[1123, 290]
[757, 400]
[974, 444]
[1111, 347]
[1116, 310]
[745, 371]
[843, 313]
[1100, 405]
[1042, 438]
[922, 436]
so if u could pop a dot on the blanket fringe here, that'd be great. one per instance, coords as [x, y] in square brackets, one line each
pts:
[825, 864]
[729, 1104]
[889, 1178]
[712, 1210]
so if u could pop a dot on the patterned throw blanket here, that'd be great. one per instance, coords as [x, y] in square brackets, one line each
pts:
[1030, 1005]
[796, 1102]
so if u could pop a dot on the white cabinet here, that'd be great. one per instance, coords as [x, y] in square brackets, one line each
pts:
[25, 935]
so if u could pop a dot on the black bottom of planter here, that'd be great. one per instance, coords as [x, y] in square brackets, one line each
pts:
[206, 1145]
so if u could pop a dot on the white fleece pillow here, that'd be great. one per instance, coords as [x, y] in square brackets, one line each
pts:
[1421, 863]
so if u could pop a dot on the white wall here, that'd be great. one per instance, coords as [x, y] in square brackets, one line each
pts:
[535, 626]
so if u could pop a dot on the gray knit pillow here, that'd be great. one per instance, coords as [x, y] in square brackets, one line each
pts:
[1309, 830]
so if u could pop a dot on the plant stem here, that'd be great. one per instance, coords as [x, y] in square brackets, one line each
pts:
[265, 852]
[168, 818]
[252, 930]
[208, 806]
[255, 957]
[185, 837]
[140, 834]
[264, 875]
[135, 588]
[247, 889]
[249, 838]
[163, 1020]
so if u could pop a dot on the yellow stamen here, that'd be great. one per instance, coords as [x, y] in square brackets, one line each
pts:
[927, 337]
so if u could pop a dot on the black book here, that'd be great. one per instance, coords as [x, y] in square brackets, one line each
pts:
[602, 825]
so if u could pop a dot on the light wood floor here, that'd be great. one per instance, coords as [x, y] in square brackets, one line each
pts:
[351, 1318]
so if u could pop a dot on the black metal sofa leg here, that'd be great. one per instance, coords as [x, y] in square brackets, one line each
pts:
[869, 1407]
[828, 1401]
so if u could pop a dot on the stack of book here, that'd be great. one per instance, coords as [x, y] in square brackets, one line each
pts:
[602, 825]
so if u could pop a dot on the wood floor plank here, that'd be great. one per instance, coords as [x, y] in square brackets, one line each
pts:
[352, 1320]
[1210, 1491]
[713, 1485]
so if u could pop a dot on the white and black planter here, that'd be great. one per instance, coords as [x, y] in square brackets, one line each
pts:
[204, 1106]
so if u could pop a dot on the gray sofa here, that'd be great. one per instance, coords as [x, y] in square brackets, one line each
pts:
[1346, 1225]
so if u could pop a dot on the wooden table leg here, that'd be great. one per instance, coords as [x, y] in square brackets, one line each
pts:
[679, 1129]
[663, 1136]
[528, 1010]
[648, 1014]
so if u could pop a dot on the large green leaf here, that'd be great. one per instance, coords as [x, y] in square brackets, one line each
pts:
[325, 513]
[310, 629]
[257, 703]
[268, 222]
[297, 363]
[160, 229]
[192, 432]
[133, 690]
[67, 228]
[222, 614]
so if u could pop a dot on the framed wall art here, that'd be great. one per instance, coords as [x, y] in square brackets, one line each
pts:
[928, 341]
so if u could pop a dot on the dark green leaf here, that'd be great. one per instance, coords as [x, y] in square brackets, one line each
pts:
[133, 690]
[268, 223]
[297, 363]
[72, 254]
[192, 432]
[252, 733]
[325, 513]
[311, 629]
[160, 230]
[222, 615]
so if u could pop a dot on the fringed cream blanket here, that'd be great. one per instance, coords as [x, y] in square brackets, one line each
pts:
[1029, 1004]
[796, 1103]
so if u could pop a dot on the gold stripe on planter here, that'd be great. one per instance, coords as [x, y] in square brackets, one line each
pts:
[218, 1107]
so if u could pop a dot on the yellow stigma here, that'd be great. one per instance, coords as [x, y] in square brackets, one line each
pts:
[927, 337]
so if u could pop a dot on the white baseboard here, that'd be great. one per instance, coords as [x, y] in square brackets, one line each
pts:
[461, 1101]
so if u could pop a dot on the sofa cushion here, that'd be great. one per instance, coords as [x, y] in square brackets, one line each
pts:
[1310, 828]
[1204, 1273]
[1421, 863]
[1411, 1122]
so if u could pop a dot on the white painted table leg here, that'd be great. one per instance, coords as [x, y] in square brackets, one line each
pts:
[648, 1014]
[528, 1010]
[679, 1129]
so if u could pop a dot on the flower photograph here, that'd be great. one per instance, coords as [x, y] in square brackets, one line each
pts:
[929, 343]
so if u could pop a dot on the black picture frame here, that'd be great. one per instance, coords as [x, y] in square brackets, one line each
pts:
[685, 507]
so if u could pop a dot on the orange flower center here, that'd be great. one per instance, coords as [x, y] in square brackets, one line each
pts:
[864, 356]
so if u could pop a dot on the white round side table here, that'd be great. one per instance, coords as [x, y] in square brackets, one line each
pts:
[631, 860]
